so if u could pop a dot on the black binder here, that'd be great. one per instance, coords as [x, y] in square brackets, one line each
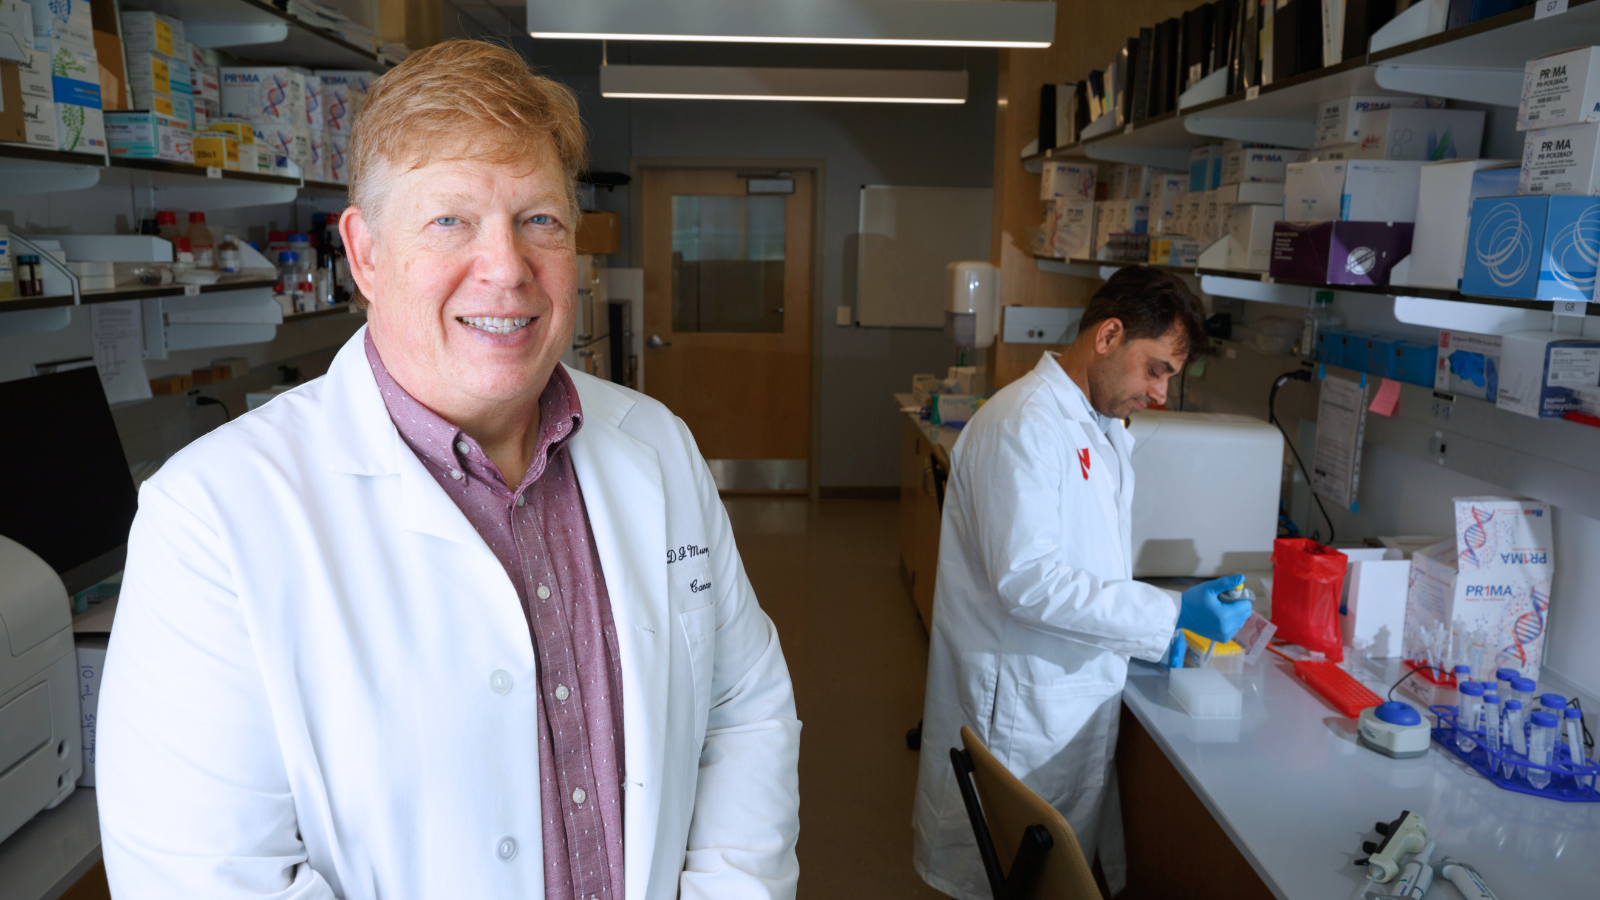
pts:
[1047, 117]
[1362, 19]
[1141, 74]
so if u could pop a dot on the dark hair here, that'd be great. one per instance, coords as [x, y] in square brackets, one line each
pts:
[1149, 302]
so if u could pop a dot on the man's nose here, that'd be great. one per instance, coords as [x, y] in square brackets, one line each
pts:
[1159, 392]
[500, 260]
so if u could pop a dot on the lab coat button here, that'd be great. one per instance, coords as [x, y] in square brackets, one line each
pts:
[500, 681]
[506, 849]
[578, 796]
[462, 446]
[543, 592]
[561, 692]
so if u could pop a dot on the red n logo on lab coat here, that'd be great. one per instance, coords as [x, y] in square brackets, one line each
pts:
[1083, 462]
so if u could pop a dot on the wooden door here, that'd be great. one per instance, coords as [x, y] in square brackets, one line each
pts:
[727, 320]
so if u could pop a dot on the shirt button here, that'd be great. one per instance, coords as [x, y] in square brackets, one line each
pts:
[462, 446]
[561, 692]
[500, 681]
[506, 849]
[578, 796]
[521, 499]
[456, 474]
[543, 592]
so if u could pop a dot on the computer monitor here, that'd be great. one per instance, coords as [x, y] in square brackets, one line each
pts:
[65, 490]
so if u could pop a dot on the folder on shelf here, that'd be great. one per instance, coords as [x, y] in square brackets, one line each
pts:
[1141, 74]
[1362, 18]
[1047, 117]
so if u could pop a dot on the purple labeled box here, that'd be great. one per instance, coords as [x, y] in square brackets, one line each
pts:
[1339, 252]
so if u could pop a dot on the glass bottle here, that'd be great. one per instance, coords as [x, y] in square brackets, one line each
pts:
[228, 258]
[183, 258]
[30, 280]
[201, 243]
[1319, 318]
[167, 225]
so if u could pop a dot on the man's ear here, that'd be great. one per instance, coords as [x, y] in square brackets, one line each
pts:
[1108, 336]
[359, 243]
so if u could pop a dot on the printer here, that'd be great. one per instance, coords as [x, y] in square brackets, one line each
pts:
[40, 753]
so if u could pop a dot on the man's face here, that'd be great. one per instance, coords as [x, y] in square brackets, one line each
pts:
[1131, 375]
[471, 271]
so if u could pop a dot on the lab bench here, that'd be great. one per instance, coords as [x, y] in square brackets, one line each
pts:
[46, 858]
[1294, 797]
[924, 464]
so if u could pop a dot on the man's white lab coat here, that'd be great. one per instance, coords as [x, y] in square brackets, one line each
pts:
[1035, 614]
[321, 682]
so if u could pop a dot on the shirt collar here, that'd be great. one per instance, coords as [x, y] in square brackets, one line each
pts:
[1072, 396]
[439, 442]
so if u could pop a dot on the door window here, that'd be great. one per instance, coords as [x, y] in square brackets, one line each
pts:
[727, 264]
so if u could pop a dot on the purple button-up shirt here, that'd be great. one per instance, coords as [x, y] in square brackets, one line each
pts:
[540, 533]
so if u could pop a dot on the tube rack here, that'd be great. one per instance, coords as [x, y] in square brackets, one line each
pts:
[1570, 783]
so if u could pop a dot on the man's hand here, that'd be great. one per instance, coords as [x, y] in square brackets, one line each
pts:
[1206, 614]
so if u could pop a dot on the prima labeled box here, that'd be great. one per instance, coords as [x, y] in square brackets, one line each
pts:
[1425, 134]
[1380, 190]
[1445, 191]
[1250, 236]
[338, 149]
[1339, 121]
[1255, 164]
[315, 114]
[1540, 369]
[1069, 228]
[1205, 167]
[1061, 179]
[1504, 242]
[338, 114]
[1260, 193]
[1560, 89]
[266, 93]
[1338, 252]
[142, 134]
[1313, 191]
[1166, 199]
[1561, 161]
[1468, 365]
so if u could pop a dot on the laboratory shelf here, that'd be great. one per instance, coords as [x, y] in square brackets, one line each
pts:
[143, 292]
[333, 187]
[10, 153]
[342, 309]
[1506, 41]
[181, 172]
[47, 301]
[258, 31]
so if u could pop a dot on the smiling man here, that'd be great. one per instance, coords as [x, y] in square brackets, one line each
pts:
[1035, 610]
[416, 629]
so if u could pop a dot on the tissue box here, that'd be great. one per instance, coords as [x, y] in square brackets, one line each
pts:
[1561, 161]
[1313, 191]
[1540, 369]
[1380, 190]
[1468, 365]
[1374, 603]
[1339, 121]
[1255, 164]
[1338, 252]
[1504, 243]
[1425, 134]
[1445, 191]
[1061, 179]
[267, 93]
[1560, 89]
[141, 134]
[1250, 236]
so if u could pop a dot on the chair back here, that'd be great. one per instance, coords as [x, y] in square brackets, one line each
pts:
[1010, 807]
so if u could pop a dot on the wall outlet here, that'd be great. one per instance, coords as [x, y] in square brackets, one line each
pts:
[1040, 324]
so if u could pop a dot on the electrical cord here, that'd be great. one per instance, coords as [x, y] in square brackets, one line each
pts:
[212, 401]
[1411, 673]
[1272, 416]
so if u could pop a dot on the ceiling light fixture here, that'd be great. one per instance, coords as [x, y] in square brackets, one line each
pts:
[825, 85]
[903, 23]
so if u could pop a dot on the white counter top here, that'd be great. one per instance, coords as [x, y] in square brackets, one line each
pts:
[1297, 795]
[51, 852]
[942, 435]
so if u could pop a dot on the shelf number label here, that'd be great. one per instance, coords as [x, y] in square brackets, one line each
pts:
[1547, 8]
[1253, 92]
[213, 172]
[191, 290]
[1128, 129]
[1571, 307]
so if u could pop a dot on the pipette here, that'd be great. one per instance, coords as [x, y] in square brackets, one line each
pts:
[1234, 596]
[1418, 876]
[1466, 879]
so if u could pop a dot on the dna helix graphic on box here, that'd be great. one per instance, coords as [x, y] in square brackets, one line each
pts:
[1575, 252]
[1528, 628]
[1504, 247]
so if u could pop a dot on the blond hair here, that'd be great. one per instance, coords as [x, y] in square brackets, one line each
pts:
[455, 100]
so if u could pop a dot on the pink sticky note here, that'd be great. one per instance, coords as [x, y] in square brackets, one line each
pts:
[1387, 399]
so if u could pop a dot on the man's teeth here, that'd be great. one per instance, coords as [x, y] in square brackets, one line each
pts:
[496, 324]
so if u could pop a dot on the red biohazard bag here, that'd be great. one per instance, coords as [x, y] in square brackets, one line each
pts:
[1307, 579]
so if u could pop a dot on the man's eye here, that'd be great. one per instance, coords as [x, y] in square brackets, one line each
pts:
[447, 221]
[542, 219]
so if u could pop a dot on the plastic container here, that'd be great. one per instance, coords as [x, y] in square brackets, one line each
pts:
[201, 242]
[1490, 722]
[228, 258]
[1463, 675]
[167, 225]
[301, 244]
[1502, 682]
[1516, 741]
[1318, 319]
[1204, 693]
[1524, 689]
[1553, 701]
[1573, 720]
[183, 258]
[1541, 743]
[1471, 707]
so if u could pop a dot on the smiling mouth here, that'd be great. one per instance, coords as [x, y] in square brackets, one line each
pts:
[496, 324]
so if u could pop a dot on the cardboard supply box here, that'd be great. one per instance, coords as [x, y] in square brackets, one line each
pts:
[63, 20]
[1060, 179]
[1504, 240]
[13, 120]
[338, 158]
[91, 652]
[319, 156]
[1338, 252]
[1250, 236]
[1260, 193]
[1070, 228]
[1567, 259]
[1339, 121]
[141, 134]
[274, 94]
[1313, 191]
[600, 233]
[147, 31]
[75, 82]
[216, 149]
[1560, 88]
[1489, 587]
[1205, 168]
[315, 119]
[16, 30]
[1166, 196]
[1374, 602]
[1255, 164]
[1561, 161]
[1380, 190]
[1468, 365]
[1539, 371]
[1425, 134]
[1445, 191]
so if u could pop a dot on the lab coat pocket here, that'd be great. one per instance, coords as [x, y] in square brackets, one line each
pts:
[700, 631]
[1054, 736]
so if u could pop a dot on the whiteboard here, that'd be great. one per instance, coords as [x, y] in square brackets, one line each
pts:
[907, 237]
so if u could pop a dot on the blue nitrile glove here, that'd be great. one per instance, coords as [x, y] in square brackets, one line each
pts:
[1175, 650]
[1211, 618]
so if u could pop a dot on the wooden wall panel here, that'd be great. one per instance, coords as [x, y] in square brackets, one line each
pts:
[1087, 35]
